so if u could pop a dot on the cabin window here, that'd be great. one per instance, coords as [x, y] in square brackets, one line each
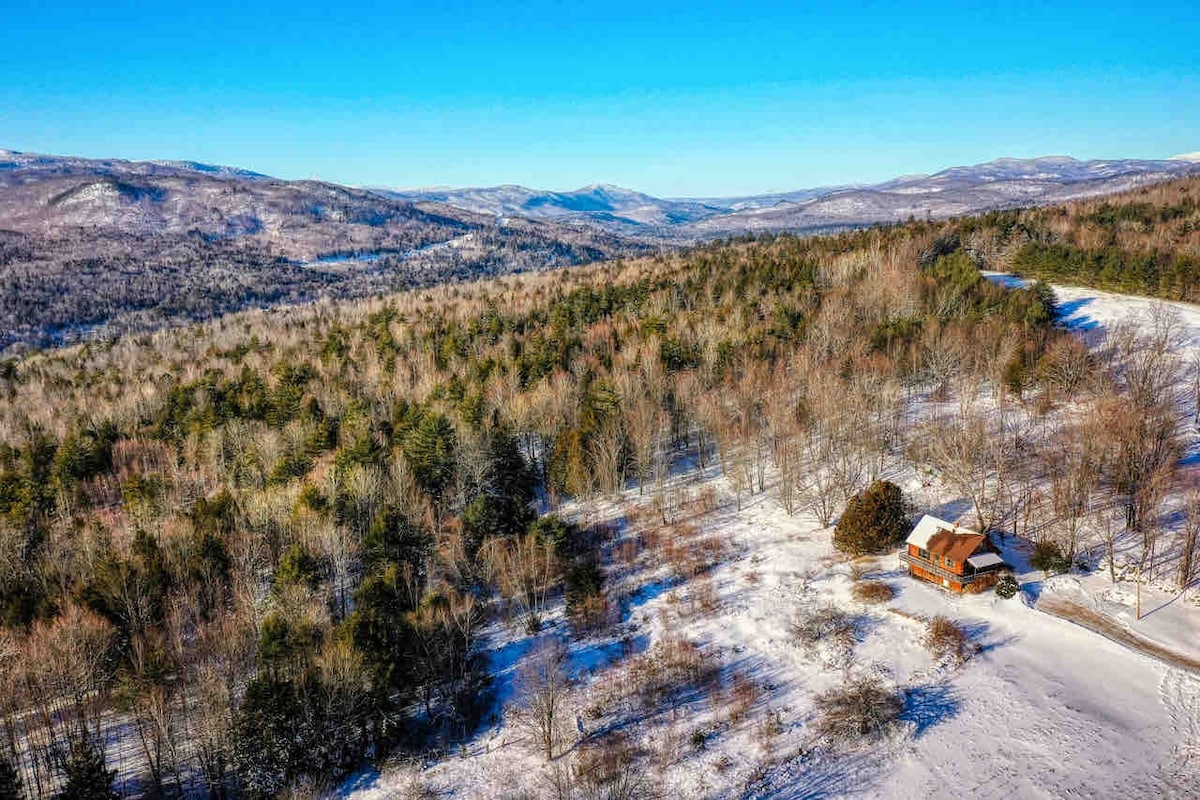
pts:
[923, 554]
[949, 564]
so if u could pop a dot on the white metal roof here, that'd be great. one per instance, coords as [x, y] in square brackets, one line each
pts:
[926, 529]
[985, 560]
[929, 526]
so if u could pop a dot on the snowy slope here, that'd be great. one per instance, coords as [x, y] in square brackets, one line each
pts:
[1044, 708]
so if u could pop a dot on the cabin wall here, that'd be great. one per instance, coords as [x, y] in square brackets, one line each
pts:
[957, 569]
[982, 583]
[925, 575]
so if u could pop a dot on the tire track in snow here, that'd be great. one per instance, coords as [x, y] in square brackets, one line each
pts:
[1180, 694]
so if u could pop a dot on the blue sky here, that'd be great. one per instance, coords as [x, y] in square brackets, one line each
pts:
[669, 97]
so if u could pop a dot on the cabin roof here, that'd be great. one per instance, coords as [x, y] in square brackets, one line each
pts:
[929, 526]
[985, 560]
[954, 546]
[945, 538]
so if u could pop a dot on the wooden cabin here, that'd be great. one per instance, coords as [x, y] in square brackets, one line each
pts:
[953, 557]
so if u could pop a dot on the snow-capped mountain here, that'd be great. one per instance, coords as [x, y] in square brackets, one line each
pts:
[39, 165]
[612, 206]
[1002, 183]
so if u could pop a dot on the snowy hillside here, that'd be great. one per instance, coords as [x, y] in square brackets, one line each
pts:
[1039, 706]
[1028, 715]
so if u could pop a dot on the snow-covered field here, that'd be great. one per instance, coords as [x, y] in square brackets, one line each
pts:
[1042, 708]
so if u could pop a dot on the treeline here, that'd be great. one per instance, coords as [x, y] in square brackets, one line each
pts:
[268, 549]
[1144, 242]
[1157, 274]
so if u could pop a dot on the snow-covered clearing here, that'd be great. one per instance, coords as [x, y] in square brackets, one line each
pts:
[1042, 707]
[1045, 708]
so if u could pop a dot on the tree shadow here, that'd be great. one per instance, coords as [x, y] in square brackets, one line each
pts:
[598, 655]
[979, 632]
[1071, 308]
[953, 510]
[928, 706]
[645, 593]
[838, 775]
[1169, 602]
[1089, 329]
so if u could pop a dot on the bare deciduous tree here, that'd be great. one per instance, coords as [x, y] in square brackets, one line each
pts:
[962, 449]
[1191, 538]
[526, 570]
[541, 709]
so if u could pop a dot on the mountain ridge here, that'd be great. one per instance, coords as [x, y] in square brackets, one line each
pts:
[1001, 182]
[113, 245]
[105, 246]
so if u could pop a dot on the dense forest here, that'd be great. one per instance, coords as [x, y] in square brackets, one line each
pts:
[86, 284]
[262, 551]
[1145, 242]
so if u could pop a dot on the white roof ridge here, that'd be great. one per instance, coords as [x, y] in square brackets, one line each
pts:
[929, 526]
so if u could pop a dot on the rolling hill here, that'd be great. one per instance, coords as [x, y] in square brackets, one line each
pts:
[109, 245]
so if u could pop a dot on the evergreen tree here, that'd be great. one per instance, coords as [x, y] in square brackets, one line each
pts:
[1007, 586]
[874, 520]
[430, 449]
[86, 775]
[10, 778]
[393, 538]
[267, 736]
[381, 630]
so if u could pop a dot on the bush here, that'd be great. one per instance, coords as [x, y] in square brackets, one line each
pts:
[873, 592]
[610, 768]
[669, 668]
[823, 624]
[1007, 587]
[862, 709]
[943, 638]
[1049, 556]
[875, 520]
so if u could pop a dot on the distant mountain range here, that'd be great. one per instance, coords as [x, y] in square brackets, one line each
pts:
[109, 245]
[102, 246]
[1003, 183]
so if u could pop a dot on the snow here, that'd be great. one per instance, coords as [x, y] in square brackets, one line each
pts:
[1045, 708]
[1091, 312]
[929, 526]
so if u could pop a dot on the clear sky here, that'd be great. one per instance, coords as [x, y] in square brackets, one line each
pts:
[673, 98]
